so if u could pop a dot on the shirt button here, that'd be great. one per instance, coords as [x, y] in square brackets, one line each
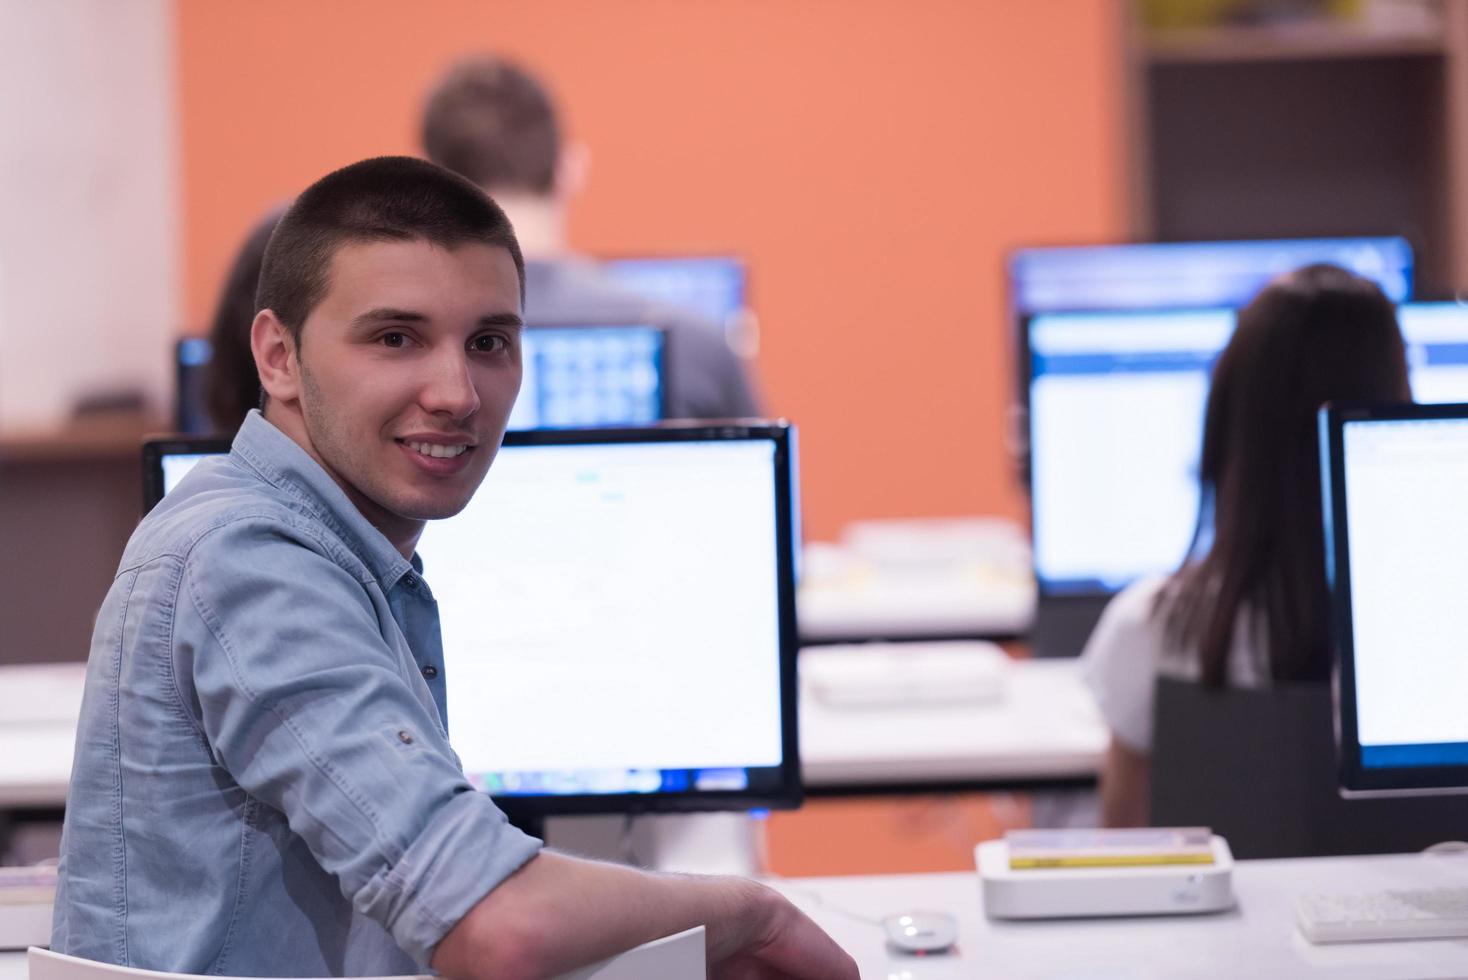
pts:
[405, 738]
[410, 583]
[430, 671]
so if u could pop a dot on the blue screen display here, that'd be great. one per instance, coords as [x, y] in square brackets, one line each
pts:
[1116, 428]
[578, 376]
[714, 286]
[1191, 274]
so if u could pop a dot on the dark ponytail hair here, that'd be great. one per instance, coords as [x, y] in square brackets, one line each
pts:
[1315, 335]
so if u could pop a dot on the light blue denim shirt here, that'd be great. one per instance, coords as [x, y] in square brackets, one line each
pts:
[263, 783]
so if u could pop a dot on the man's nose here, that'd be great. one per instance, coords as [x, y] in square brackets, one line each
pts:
[449, 388]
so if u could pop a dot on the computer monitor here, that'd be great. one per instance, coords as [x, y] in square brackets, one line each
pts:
[593, 375]
[573, 376]
[1397, 559]
[191, 357]
[618, 613]
[713, 285]
[1175, 275]
[1115, 415]
[167, 461]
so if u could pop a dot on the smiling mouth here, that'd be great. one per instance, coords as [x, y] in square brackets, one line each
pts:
[435, 450]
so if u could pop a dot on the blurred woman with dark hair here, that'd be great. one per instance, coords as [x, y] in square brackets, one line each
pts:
[1249, 607]
[233, 385]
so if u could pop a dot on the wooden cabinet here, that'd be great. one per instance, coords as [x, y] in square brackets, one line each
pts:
[1305, 130]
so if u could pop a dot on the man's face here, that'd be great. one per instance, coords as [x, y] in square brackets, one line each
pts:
[409, 368]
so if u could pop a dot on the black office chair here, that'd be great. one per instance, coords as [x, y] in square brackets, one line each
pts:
[1259, 767]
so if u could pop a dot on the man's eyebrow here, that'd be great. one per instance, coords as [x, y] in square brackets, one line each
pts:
[386, 314]
[390, 314]
[501, 320]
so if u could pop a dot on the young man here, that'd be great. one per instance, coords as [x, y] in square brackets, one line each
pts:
[263, 781]
[496, 124]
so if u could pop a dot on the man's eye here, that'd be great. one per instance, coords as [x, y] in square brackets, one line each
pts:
[487, 344]
[394, 339]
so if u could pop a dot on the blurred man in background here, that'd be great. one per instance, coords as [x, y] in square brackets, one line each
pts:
[494, 123]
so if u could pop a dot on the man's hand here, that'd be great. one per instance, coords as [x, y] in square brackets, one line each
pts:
[558, 913]
[783, 943]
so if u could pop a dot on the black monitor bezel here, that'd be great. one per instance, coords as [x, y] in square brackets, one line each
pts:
[1354, 778]
[788, 791]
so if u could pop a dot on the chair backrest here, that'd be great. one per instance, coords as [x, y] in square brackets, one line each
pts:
[677, 957]
[1259, 767]
[43, 964]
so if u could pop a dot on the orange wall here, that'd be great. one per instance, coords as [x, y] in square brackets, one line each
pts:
[873, 160]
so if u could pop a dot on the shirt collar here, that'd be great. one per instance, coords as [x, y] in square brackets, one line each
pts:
[289, 468]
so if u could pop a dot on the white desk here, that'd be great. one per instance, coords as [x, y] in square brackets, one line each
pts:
[1044, 728]
[1257, 939]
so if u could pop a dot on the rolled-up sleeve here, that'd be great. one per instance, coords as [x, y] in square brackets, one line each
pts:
[310, 710]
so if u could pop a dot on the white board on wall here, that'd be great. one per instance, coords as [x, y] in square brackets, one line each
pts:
[89, 271]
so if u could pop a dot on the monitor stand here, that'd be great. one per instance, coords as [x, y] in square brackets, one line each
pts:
[531, 824]
[1063, 623]
[727, 843]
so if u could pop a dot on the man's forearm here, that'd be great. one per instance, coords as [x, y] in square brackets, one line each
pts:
[557, 913]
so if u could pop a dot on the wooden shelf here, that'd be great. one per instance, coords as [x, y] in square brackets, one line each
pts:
[1298, 42]
[110, 438]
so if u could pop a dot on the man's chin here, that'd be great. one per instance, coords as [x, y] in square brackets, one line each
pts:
[431, 510]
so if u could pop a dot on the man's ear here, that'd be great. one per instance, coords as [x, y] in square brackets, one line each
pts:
[275, 357]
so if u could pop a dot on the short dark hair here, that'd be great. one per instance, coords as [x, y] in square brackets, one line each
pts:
[492, 121]
[1312, 336]
[384, 199]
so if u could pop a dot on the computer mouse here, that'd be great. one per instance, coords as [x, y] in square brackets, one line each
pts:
[921, 932]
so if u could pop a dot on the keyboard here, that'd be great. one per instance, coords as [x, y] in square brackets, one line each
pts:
[872, 675]
[1348, 917]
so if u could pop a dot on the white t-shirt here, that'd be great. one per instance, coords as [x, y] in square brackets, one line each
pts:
[1127, 652]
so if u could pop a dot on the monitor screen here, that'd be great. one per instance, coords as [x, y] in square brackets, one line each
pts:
[634, 589]
[580, 376]
[573, 376]
[1190, 274]
[712, 285]
[191, 384]
[177, 465]
[1398, 559]
[1116, 406]
[1116, 420]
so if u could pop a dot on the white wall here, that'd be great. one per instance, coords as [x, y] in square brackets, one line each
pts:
[89, 267]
